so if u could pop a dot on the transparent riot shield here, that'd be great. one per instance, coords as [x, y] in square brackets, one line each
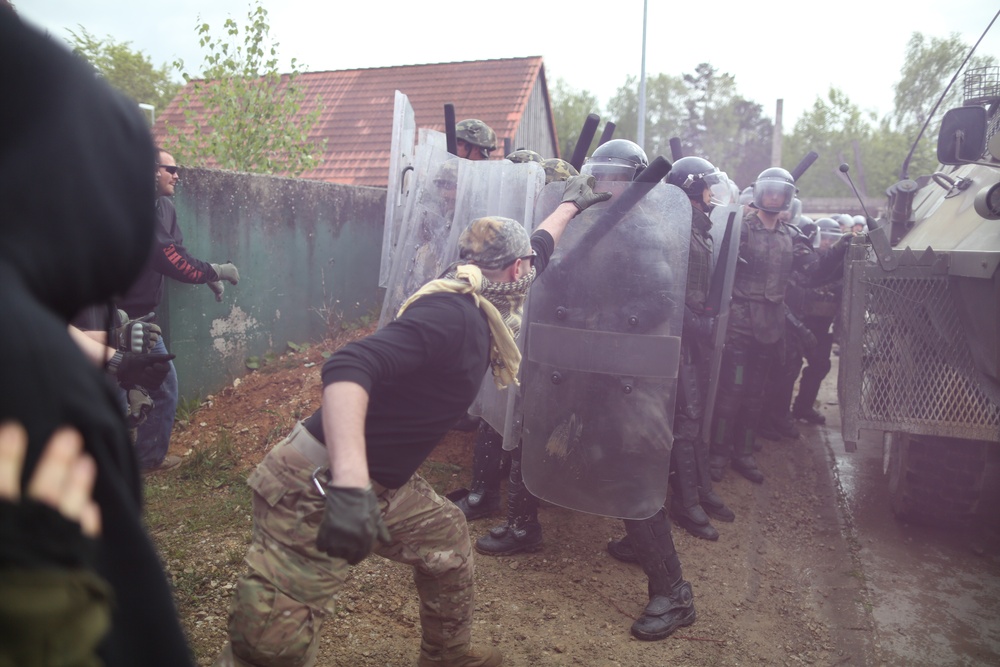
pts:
[599, 376]
[450, 193]
[727, 223]
[404, 129]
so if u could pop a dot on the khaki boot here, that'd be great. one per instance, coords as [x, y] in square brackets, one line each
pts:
[476, 657]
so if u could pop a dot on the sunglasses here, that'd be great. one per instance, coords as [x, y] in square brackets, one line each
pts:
[170, 169]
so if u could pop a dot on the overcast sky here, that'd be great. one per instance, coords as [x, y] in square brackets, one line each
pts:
[794, 50]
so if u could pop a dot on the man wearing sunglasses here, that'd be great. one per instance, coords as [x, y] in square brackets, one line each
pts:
[169, 259]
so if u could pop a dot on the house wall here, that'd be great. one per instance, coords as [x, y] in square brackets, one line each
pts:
[308, 253]
[534, 131]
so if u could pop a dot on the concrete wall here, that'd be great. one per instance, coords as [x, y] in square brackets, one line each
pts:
[304, 249]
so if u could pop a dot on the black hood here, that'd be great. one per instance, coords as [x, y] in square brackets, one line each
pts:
[76, 196]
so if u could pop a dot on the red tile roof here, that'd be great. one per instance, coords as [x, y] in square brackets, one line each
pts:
[357, 107]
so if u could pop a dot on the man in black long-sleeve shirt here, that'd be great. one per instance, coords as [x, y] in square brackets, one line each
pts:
[387, 401]
[168, 259]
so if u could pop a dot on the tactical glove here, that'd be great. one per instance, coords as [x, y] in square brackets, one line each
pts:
[144, 370]
[580, 192]
[699, 326]
[218, 288]
[351, 523]
[139, 406]
[138, 335]
[226, 271]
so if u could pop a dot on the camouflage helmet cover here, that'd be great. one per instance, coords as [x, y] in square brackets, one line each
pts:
[523, 155]
[477, 133]
[557, 169]
[493, 242]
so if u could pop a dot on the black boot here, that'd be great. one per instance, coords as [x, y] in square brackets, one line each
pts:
[487, 460]
[713, 505]
[671, 602]
[622, 550]
[746, 465]
[522, 532]
[685, 505]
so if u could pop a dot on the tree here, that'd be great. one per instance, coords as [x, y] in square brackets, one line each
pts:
[570, 108]
[244, 114]
[131, 72]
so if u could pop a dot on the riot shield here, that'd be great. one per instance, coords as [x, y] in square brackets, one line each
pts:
[599, 376]
[727, 223]
[404, 128]
[449, 193]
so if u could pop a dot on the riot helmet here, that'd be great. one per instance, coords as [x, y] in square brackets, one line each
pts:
[860, 224]
[557, 169]
[845, 221]
[746, 197]
[829, 232]
[616, 160]
[774, 190]
[523, 155]
[477, 133]
[694, 175]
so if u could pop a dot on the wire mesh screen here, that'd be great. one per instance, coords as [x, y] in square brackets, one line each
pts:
[907, 365]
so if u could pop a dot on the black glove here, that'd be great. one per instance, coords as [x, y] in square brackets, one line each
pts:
[580, 192]
[218, 288]
[351, 523]
[699, 326]
[227, 271]
[138, 335]
[144, 370]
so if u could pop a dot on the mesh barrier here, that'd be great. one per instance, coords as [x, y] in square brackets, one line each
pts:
[905, 364]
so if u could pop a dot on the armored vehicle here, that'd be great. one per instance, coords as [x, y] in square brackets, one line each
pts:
[920, 345]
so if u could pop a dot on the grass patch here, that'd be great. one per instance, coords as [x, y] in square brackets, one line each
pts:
[186, 407]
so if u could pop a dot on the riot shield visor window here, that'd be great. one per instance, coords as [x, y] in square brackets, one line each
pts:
[610, 169]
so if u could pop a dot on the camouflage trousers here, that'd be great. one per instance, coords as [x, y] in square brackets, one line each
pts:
[291, 587]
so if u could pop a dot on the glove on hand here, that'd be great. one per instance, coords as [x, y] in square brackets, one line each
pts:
[808, 339]
[218, 288]
[144, 370]
[580, 192]
[139, 405]
[699, 326]
[351, 523]
[138, 335]
[227, 271]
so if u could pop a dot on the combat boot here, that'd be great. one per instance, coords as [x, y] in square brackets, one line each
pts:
[475, 504]
[713, 505]
[809, 415]
[522, 531]
[476, 657]
[747, 466]
[671, 602]
[685, 505]
[784, 426]
[622, 550]
[507, 540]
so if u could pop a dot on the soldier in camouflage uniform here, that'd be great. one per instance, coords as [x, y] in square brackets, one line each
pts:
[344, 482]
[758, 320]
[475, 139]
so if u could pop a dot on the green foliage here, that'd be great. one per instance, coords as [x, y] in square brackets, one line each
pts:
[131, 72]
[186, 407]
[570, 108]
[244, 114]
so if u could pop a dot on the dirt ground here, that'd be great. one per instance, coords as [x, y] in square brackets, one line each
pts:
[782, 586]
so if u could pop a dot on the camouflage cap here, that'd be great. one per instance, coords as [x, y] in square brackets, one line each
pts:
[524, 155]
[477, 133]
[557, 169]
[493, 242]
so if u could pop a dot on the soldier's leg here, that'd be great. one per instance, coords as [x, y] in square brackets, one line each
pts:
[685, 505]
[729, 399]
[280, 603]
[818, 360]
[483, 499]
[430, 534]
[711, 502]
[760, 358]
[522, 532]
[671, 602]
[776, 421]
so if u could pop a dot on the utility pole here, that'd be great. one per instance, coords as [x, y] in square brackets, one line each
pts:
[776, 139]
[641, 134]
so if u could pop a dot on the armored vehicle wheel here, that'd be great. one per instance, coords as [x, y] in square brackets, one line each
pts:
[935, 480]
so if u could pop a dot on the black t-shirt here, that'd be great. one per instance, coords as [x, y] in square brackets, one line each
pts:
[421, 371]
